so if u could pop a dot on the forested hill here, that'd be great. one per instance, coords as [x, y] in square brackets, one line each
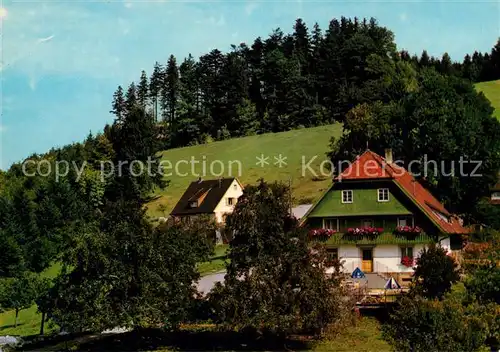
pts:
[308, 77]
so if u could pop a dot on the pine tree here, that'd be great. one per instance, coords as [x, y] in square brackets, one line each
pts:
[143, 90]
[118, 105]
[315, 62]
[170, 91]
[495, 61]
[155, 83]
[302, 46]
[445, 65]
[425, 60]
[131, 97]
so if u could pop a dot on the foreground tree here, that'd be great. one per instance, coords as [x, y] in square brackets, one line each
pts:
[124, 273]
[275, 283]
[18, 293]
[418, 325]
[483, 281]
[435, 272]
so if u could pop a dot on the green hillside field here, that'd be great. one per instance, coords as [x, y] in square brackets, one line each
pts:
[492, 91]
[238, 157]
[307, 142]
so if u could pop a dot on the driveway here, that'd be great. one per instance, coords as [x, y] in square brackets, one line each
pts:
[206, 283]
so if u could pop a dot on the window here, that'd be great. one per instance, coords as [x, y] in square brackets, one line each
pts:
[407, 252]
[495, 196]
[194, 204]
[332, 224]
[367, 223]
[406, 221]
[333, 253]
[235, 186]
[229, 201]
[347, 196]
[383, 194]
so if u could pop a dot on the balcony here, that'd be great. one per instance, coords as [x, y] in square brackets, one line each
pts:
[370, 236]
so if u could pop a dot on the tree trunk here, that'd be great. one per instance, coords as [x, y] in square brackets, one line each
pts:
[42, 323]
[17, 315]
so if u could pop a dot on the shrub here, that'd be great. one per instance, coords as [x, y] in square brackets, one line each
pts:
[434, 326]
[435, 272]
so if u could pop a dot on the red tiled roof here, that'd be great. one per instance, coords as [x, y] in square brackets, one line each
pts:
[371, 166]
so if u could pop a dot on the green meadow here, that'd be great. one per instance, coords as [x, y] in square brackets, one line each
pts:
[491, 90]
[238, 157]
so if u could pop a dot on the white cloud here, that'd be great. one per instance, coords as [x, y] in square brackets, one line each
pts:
[76, 38]
[2, 128]
[213, 21]
[43, 40]
[403, 17]
[250, 8]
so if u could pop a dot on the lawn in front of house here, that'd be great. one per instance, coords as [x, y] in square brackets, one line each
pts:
[216, 263]
[365, 336]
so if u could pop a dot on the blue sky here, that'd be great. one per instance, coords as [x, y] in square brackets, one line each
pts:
[62, 60]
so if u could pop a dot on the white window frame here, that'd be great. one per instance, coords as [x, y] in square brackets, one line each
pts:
[405, 219]
[335, 220]
[372, 223]
[347, 192]
[331, 250]
[410, 221]
[381, 191]
[228, 202]
[495, 196]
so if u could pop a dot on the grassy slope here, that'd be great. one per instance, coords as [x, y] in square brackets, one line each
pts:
[292, 145]
[492, 91]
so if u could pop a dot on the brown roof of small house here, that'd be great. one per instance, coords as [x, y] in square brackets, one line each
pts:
[208, 192]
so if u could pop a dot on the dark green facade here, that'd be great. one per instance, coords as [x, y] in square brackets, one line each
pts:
[367, 210]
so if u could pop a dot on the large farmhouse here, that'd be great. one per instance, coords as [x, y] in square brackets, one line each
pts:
[378, 217]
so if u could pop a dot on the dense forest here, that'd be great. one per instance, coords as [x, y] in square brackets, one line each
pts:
[285, 81]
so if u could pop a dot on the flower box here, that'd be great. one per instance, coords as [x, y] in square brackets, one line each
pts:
[365, 231]
[408, 230]
[321, 234]
[407, 261]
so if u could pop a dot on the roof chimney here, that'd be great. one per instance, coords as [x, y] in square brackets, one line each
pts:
[199, 179]
[220, 182]
[388, 156]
